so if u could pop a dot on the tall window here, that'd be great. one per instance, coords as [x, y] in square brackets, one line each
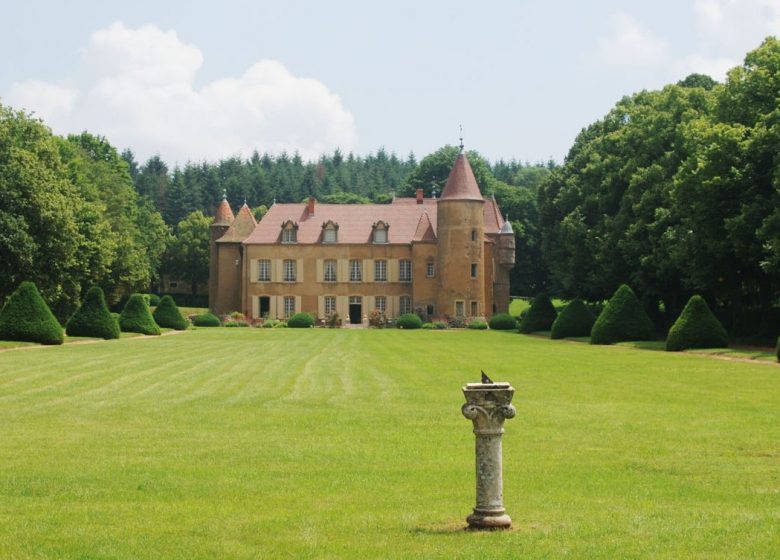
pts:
[380, 304]
[473, 235]
[329, 232]
[330, 305]
[355, 270]
[329, 270]
[289, 270]
[289, 306]
[430, 269]
[474, 309]
[380, 271]
[473, 270]
[380, 232]
[405, 305]
[264, 270]
[405, 270]
[289, 233]
[460, 308]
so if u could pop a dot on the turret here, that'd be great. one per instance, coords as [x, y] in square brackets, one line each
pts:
[461, 237]
[505, 245]
[223, 218]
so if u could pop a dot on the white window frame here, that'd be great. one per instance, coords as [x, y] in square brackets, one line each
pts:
[289, 306]
[404, 305]
[289, 270]
[329, 270]
[264, 270]
[380, 234]
[380, 270]
[355, 270]
[405, 270]
[380, 304]
[330, 305]
[430, 269]
[289, 234]
[330, 235]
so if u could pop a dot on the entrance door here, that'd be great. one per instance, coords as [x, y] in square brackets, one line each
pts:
[355, 310]
[265, 306]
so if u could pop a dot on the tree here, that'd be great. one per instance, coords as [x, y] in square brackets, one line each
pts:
[187, 256]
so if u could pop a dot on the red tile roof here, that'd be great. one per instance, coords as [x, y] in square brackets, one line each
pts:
[407, 221]
[242, 226]
[224, 215]
[461, 184]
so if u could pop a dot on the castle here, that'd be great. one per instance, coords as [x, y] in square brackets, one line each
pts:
[445, 257]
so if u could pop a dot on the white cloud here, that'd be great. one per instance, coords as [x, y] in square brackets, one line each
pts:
[630, 45]
[136, 88]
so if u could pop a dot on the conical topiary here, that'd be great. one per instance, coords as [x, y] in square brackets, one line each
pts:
[540, 316]
[26, 317]
[167, 315]
[622, 319]
[575, 320]
[696, 327]
[93, 318]
[136, 316]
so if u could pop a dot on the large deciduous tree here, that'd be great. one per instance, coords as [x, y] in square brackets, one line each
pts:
[187, 256]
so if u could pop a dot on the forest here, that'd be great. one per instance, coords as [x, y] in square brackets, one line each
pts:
[674, 191]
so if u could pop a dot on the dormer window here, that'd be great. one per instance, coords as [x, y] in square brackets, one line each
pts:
[380, 232]
[289, 232]
[330, 232]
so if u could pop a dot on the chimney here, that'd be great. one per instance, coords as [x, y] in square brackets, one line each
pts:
[310, 207]
[419, 196]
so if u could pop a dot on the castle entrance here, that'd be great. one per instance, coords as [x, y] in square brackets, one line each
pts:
[355, 310]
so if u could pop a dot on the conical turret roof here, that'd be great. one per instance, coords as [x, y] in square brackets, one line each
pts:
[242, 226]
[224, 215]
[461, 184]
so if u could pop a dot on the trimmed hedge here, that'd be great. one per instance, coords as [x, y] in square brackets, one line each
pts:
[300, 321]
[26, 317]
[408, 321]
[206, 320]
[540, 316]
[622, 319]
[168, 315]
[93, 317]
[136, 317]
[696, 327]
[478, 325]
[503, 322]
[574, 320]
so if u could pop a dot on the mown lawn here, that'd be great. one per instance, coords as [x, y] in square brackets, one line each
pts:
[281, 443]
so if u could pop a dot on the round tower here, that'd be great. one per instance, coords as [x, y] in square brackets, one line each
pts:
[223, 218]
[461, 244]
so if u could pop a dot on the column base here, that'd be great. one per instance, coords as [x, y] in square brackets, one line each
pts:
[485, 519]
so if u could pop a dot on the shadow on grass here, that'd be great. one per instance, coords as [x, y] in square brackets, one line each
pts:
[459, 528]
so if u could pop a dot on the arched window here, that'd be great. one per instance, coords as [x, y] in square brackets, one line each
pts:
[289, 232]
[330, 232]
[379, 234]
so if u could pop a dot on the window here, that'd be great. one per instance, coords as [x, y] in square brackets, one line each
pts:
[474, 309]
[405, 270]
[473, 270]
[330, 232]
[380, 271]
[429, 309]
[473, 235]
[460, 308]
[405, 305]
[330, 305]
[289, 232]
[380, 304]
[380, 232]
[173, 284]
[289, 306]
[329, 270]
[264, 270]
[289, 270]
[355, 270]
[430, 269]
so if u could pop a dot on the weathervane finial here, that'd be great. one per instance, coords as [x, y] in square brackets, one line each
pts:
[224, 194]
[460, 126]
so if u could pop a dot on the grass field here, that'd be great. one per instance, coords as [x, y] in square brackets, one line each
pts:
[281, 443]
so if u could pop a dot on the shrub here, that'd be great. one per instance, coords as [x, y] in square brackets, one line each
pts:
[26, 317]
[622, 319]
[269, 323]
[206, 320]
[300, 321]
[575, 320]
[232, 323]
[377, 319]
[696, 327]
[280, 325]
[168, 315]
[136, 317]
[93, 318]
[333, 321]
[409, 321]
[154, 300]
[478, 325]
[503, 322]
[439, 325]
[539, 317]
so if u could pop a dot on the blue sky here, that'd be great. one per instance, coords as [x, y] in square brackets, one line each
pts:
[204, 80]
